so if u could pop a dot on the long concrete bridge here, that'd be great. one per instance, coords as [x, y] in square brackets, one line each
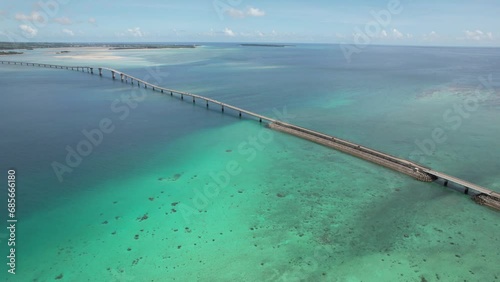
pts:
[480, 195]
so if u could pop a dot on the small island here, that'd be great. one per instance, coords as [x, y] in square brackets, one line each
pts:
[111, 46]
[5, 53]
[265, 45]
[149, 46]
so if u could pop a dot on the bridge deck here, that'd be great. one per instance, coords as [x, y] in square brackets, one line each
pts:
[193, 96]
[462, 182]
[312, 134]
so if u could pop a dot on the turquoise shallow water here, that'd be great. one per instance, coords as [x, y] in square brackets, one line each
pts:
[179, 193]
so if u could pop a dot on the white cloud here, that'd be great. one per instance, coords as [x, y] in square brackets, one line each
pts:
[392, 34]
[397, 34]
[229, 32]
[235, 13]
[92, 20]
[136, 32]
[249, 12]
[254, 12]
[63, 21]
[35, 16]
[433, 37]
[68, 32]
[478, 35]
[28, 30]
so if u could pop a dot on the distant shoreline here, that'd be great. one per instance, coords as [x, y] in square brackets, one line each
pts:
[6, 53]
[265, 45]
[111, 46]
[132, 47]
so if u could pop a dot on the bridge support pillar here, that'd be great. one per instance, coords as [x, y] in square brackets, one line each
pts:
[260, 120]
[466, 191]
[121, 77]
[445, 183]
[207, 104]
[100, 71]
[162, 91]
[91, 70]
[194, 101]
[222, 108]
[113, 74]
[240, 114]
[182, 97]
[171, 93]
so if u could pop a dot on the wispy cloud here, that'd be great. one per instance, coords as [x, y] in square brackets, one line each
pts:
[249, 12]
[229, 32]
[431, 36]
[34, 16]
[68, 32]
[29, 31]
[136, 32]
[235, 13]
[384, 34]
[478, 35]
[63, 21]
[92, 21]
[254, 12]
[397, 34]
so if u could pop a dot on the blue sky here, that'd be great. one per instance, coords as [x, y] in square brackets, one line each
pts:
[400, 22]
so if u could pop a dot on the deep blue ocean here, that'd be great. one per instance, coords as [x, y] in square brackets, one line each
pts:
[176, 192]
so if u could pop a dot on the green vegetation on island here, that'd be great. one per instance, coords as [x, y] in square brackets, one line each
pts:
[265, 45]
[4, 53]
[113, 46]
[148, 46]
